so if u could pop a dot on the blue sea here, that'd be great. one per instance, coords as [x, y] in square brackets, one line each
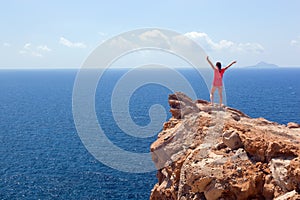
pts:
[42, 156]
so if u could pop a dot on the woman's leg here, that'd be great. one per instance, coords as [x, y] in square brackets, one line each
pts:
[213, 89]
[220, 90]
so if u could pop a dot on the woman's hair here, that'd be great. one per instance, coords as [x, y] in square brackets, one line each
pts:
[218, 64]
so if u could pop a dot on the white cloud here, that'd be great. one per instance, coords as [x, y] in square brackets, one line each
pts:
[27, 46]
[29, 49]
[102, 34]
[208, 44]
[122, 43]
[152, 35]
[68, 43]
[155, 37]
[36, 54]
[30, 53]
[44, 48]
[6, 44]
[295, 42]
[22, 52]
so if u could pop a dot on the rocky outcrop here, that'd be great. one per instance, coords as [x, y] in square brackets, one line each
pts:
[207, 152]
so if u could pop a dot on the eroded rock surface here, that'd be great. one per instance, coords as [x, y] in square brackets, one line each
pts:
[206, 152]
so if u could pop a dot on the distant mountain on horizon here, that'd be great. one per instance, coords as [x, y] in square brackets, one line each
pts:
[263, 65]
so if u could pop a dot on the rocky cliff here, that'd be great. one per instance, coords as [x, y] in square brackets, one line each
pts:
[206, 152]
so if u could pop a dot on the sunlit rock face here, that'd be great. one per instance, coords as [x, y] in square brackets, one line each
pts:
[211, 152]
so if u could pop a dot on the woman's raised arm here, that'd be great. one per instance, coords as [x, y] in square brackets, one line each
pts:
[210, 63]
[233, 62]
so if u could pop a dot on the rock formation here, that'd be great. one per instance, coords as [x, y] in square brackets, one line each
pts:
[207, 152]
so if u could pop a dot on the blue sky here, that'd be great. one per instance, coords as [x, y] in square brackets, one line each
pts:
[61, 34]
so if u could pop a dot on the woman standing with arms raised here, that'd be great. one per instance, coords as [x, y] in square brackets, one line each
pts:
[218, 79]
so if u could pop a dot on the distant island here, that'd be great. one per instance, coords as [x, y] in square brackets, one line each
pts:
[263, 65]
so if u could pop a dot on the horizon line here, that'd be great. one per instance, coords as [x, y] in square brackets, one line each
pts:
[176, 67]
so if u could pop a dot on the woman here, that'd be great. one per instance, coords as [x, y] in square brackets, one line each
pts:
[218, 79]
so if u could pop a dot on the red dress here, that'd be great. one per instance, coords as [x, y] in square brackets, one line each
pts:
[218, 77]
